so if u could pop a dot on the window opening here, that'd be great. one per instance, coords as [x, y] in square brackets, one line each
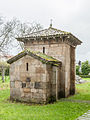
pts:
[26, 66]
[43, 49]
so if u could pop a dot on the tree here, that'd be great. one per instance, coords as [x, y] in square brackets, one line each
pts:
[9, 30]
[77, 70]
[3, 67]
[85, 68]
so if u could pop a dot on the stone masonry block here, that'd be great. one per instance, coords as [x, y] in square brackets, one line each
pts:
[26, 90]
[12, 84]
[18, 84]
[40, 70]
[33, 90]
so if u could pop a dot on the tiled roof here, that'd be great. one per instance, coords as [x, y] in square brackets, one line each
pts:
[47, 32]
[51, 33]
[37, 55]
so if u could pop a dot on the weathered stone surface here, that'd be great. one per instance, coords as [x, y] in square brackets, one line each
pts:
[32, 84]
[44, 77]
[34, 90]
[62, 52]
[72, 71]
[40, 70]
[28, 85]
[18, 84]
[23, 85]
[27, 90]
[15, 93]
[12, 84]
[38, 85]
[43, 80]
[28, 79]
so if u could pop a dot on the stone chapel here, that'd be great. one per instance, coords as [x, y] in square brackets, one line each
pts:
[45, 70]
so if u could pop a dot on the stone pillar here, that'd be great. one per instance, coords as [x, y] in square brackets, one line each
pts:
[72, 71]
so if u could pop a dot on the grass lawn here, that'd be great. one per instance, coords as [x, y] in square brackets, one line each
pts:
[6, 84]
[88, 79]
[57, 111]
[82, 91]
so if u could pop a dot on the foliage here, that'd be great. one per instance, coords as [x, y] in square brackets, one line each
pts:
[6, 84]
[85, 76]
[85, 68]
[4, 65]
[7, 80]
[77, 70]
[7, 71]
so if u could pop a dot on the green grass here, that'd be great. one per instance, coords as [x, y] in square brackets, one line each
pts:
[82, 91]
[6, 79]
[6, 84]
[86, 79]
[58, 111]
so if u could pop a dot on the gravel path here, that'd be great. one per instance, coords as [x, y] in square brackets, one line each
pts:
[85, 116]
[76, 101]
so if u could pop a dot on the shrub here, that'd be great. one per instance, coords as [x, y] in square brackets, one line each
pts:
[77, 70]
[85, 76]
[7, 71]
[85, 68]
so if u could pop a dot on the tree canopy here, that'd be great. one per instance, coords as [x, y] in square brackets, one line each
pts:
[85, 68]
[11, 29]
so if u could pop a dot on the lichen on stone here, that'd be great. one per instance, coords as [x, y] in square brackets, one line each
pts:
[37, 55]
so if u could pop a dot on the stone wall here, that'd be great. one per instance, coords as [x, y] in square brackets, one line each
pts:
[72, 69]
[35, 85]
[61, 51]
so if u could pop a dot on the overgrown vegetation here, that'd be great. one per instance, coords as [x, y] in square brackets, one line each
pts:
[61, 110]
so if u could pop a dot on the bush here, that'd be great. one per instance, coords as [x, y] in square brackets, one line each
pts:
[7, 71]
[85, 76]
[77, 70]
[85, 68]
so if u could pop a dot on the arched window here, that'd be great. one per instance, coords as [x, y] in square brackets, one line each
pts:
[26, 66]
[43, 49]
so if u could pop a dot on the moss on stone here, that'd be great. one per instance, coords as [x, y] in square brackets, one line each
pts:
[37, 55]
